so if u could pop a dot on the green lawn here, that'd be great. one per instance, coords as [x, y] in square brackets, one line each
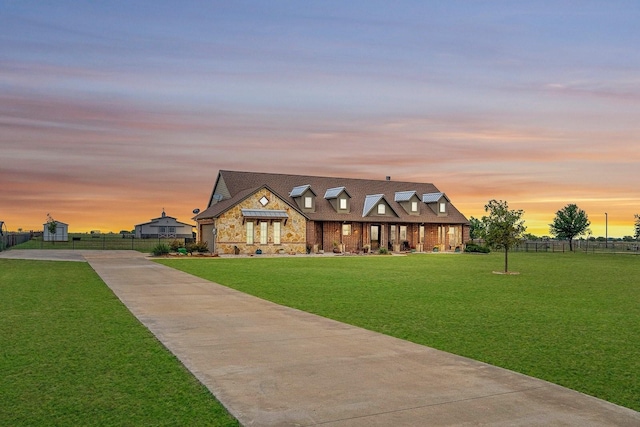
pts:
[73, 355]
[572, 319]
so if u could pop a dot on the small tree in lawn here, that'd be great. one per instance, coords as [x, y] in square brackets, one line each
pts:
[570, 221]
[52, 226]
[637, 227]
[503, 227]
[476, 229]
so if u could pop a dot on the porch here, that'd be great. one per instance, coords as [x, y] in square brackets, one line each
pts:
[356, 237]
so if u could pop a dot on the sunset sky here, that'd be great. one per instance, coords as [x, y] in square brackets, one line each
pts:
[112, 110]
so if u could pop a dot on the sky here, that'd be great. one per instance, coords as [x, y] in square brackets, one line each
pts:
[111, 111]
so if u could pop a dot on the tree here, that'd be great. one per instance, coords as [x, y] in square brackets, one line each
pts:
[530, 237]
[52, 226]
[636, 227]
[476, 229]
[503, 227]
[569, 222]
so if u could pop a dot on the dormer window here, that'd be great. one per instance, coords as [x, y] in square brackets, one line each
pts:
[409, 201]
[305, 197]
[339, 199]
[437, 202]
[377, 205]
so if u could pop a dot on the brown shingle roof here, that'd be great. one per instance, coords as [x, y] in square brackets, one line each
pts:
[242, 184]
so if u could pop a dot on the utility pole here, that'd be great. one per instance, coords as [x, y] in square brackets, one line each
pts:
[606, 230]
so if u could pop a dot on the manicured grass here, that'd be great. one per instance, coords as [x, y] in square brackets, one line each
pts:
[572, 319]
[72, 354]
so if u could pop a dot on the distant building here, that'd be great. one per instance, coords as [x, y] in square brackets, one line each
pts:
[164, 227]
[61, 234]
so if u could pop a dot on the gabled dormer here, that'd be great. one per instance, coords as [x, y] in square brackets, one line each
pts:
[409, 201]
[377, 205]
[339, 198]
[305, 198]
[438, 202]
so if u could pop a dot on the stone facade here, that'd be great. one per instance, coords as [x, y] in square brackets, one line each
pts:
[232, 238]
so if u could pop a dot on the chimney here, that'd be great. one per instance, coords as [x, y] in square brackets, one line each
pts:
[388, 178]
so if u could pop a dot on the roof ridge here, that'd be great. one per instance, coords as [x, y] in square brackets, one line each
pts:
[323, 177]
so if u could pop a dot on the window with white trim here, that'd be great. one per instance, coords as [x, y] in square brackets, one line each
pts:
[346, 229]
[264, 229]
[249, 226]
[308, 202]
[381, 209]
[276, 232]
[414, 206]
[343, 203]
[443, 207]
[403, 233]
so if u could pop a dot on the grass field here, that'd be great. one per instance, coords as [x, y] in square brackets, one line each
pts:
[73, 355]
[572, 319]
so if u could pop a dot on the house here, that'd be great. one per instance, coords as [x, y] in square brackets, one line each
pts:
[61, 234]
[164, 227]
[248, 211]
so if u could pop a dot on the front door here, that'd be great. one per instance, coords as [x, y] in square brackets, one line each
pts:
[375, 237]
[319, 235]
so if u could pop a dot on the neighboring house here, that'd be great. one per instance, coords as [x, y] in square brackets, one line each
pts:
[164, 227]
[61, 234]
[248, 211]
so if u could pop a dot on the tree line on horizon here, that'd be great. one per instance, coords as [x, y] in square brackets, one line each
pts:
[564, 217]
[503, 228]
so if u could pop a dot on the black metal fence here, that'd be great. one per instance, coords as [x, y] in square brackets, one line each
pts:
[608, 247]
[578, 245]
[102, 242]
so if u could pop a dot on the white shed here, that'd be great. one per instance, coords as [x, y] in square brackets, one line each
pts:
[61, 234]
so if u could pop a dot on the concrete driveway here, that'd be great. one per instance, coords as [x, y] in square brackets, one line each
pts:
[271, 365]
